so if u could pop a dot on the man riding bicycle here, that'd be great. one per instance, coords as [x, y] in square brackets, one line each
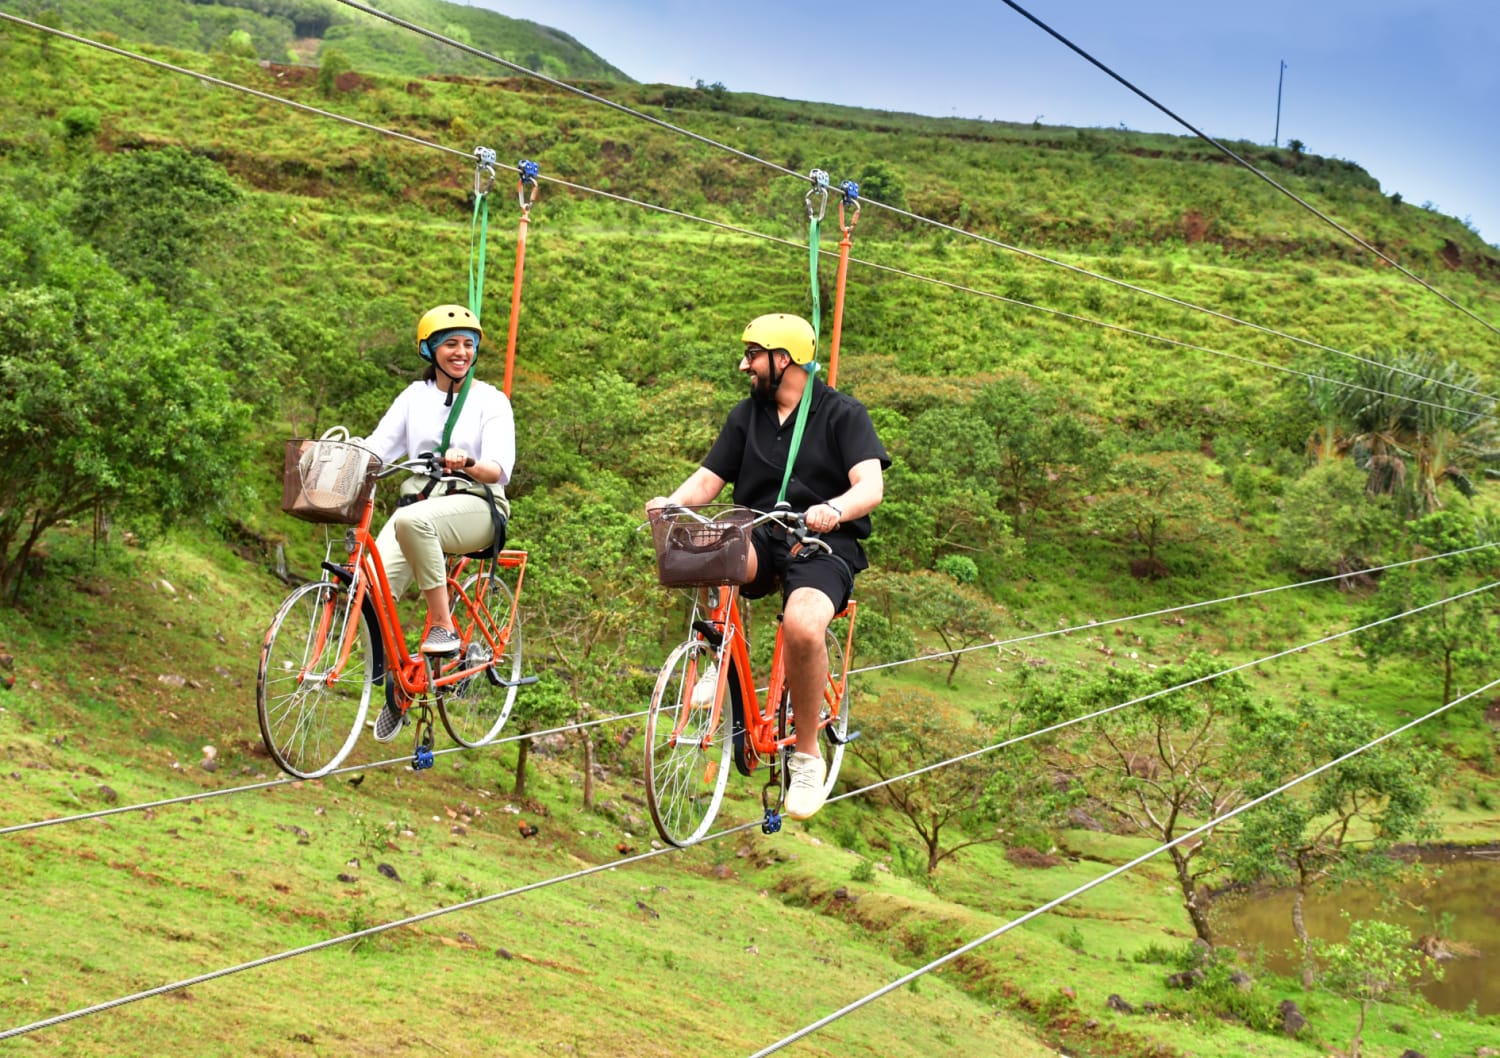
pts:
[837, 480]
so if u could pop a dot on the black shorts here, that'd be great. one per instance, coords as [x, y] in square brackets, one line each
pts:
[811, 567]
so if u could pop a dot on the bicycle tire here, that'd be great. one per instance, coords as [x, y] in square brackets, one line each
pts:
[475, 710]
[685, 777]
[309, 725]
[831, 745]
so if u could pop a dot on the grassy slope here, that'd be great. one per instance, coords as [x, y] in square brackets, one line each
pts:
[594, 971]
[298, 32]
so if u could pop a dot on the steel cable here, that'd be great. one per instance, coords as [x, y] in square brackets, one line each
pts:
[747, 156]
[1107, 876]
[935, 656]
[612, 864]
[750, 157]
[1209, 139]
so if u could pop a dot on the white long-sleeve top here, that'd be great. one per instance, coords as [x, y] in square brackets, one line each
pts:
[415, 420]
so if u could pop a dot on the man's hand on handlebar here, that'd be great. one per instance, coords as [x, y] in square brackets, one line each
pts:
[822, 518]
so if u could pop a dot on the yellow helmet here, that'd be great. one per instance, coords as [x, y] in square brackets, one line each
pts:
[791, 334]
[445, 318]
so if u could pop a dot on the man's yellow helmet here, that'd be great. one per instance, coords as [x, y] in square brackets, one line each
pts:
[778, 330]
[445, 318]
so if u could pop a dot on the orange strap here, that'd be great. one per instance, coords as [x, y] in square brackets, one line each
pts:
[838, 300]
[528, 176]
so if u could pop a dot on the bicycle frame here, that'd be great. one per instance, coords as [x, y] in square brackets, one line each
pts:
[473, 612]
[724, 620]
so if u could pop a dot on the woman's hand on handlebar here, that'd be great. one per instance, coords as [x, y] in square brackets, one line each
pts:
[456, 459]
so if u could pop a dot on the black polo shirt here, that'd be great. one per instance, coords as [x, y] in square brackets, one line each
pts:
[751, 453]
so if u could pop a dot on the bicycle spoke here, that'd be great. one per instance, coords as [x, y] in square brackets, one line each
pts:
[309, 719]
[686, 772]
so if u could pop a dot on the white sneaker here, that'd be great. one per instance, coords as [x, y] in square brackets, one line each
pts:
[703, 690]
[805, 791]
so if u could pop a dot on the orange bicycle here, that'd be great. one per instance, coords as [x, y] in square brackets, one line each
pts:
[332, 641]
[689, 744]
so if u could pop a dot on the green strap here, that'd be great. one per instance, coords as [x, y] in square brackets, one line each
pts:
[480, 227]
[478, 238]
[812, 368]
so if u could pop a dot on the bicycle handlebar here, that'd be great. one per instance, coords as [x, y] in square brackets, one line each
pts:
[794, 522]
[425, 463]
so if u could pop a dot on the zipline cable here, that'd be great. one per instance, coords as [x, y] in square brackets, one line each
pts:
[894, 209]
[937, 656]
[1107, 710]
[1242, 161]
[516, 67]
[1069, 630]
[612, 864]
[8, 17]
[206, 795]
[1074, 317]
[905, 979]
[719, 224]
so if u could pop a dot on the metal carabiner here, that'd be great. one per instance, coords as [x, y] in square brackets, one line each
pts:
[484, 170]
[820, 188]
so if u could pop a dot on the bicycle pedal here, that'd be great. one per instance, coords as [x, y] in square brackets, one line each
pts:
[772, 823]
[840, 740]
[422, 758]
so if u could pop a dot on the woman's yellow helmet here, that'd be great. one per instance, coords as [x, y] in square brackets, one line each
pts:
[445, 318]
[778, 330]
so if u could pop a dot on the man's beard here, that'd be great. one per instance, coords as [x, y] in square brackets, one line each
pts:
[762, 388]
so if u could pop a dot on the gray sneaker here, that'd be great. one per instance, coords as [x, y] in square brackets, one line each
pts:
[390, 720]
[440, 640]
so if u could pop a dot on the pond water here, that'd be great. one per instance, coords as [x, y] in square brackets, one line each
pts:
[1462, 885]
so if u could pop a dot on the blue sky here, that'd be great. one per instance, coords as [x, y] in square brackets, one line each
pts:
[1409, 89]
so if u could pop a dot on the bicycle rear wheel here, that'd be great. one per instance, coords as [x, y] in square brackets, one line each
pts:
[476, 709]
[831, 745]
[309, 717]
[685, 775]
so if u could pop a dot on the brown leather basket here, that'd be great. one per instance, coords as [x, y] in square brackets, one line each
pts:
[697, 554]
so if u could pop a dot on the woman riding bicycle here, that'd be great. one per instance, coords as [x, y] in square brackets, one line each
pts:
[470, 423]
[838, 481]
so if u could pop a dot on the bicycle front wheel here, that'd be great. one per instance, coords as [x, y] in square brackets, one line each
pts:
[476, 709]
[312, 709]
[685, 772]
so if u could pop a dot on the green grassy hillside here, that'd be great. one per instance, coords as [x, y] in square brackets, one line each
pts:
[282, 258]
[305, 31]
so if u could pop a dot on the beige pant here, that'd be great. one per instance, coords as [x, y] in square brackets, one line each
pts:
[419, 535]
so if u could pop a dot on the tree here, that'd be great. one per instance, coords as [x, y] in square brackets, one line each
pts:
[1410, 421]
[103, 403]
[1153, 501]
[1378, 963]
[332, 64]
[1460, 635]
[960, 614]
[1163, 765]
[1328, 523]
[156, 214]
[947, 463]
[1043, 451]
[962, 804]
[1342, 826]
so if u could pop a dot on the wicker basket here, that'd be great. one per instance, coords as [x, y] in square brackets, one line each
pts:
[327, 480]
[693, 554]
